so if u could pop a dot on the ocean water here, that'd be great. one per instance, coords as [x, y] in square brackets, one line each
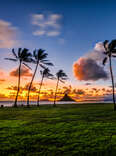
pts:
[19, 103]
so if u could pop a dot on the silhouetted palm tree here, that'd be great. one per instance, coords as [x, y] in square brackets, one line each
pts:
[110, 51]
[45, 74]
[40, 60]
[60, 75]
[23, 55]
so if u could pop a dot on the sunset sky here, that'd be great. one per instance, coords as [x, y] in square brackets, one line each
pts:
[71, 32]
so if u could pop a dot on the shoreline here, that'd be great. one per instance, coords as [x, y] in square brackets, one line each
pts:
[33, 103]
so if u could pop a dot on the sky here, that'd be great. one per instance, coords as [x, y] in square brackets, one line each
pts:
[71, 32]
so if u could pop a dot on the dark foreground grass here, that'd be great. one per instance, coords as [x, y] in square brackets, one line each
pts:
[65, 130]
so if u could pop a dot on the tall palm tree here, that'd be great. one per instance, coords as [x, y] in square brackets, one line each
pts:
[61, 76]
[110, 51]
[45, 74]
[40, 60]
[22, 55]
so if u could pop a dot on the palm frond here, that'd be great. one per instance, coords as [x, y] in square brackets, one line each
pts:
[105, 60]
[61, 81]
[40, 53]
[106, 52]
[35, 54]
[41, 72]
[42, 66]
[24, 53]
[14, 53]
[49, 75]
[43, 56]
[46, 73]
[45, 60]
[64, 78]
[112, 45]
[25, 50]
[11, 59]
[47, 63]
[27, 65]
[105, 44]
[113, 55]
[61, 75]
[114, 51]
[52, 78]
[28, 59]
[19, 52]
[31, 60]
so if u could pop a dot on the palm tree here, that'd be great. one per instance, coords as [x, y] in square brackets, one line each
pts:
[45, 74]
[60, 75]
[110, 51]
[40, 60]
[22, 55]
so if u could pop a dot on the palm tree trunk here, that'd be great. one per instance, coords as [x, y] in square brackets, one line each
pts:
[40, 90]
[31, 84]
[113, 87]
[19, 72]
[56, 93]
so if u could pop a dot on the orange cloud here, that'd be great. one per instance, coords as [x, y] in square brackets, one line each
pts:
[2, 80]
[14, 88]
[88, 69]
[33, 88]
[25, 88]
[24, 72]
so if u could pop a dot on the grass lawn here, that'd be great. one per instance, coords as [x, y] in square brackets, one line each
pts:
[65, 130]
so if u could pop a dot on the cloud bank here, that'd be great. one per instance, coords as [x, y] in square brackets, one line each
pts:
[7, 35]
[89, 67]
[33, 88]
[49, 25]
[25, 88]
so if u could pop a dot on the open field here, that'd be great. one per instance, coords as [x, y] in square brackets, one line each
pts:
[68, 130]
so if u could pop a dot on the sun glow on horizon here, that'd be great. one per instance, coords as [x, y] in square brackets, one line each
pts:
[78, 93]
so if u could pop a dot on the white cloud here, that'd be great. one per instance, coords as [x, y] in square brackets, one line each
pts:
[99, 47]
[39, 32]
[53, 20]
[38, 20]
[47, 25]
[7, 35]
[53, 33]
[97, 53]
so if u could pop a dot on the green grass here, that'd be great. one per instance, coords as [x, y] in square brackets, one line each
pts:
[65, 130]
